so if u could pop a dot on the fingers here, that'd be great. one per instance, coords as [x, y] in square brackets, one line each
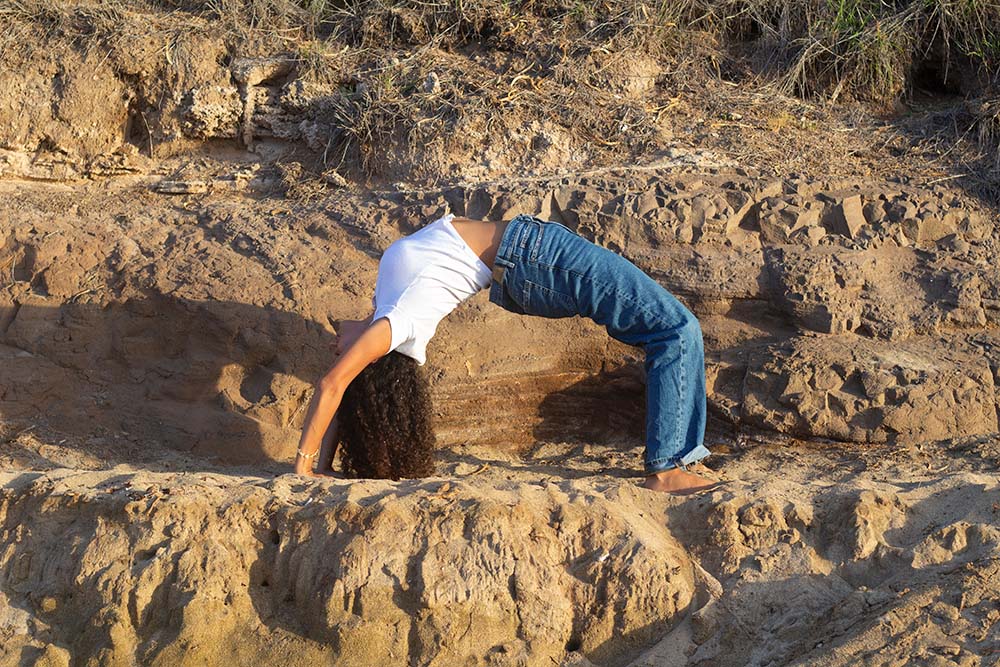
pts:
[347, 332]
[343, 343]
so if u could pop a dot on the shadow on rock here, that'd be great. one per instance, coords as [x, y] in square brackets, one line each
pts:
[213, 378]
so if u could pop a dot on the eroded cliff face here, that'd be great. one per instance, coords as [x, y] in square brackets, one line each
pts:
[192, 197]
[850, 313]
[171, 569]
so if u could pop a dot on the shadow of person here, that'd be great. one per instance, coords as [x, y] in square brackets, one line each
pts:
[228, 383]
[603, 408]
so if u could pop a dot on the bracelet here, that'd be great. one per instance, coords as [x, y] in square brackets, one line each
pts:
[307, 456]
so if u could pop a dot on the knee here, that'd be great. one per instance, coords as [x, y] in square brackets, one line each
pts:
[687, 331]
[690, 328]
[690, 333]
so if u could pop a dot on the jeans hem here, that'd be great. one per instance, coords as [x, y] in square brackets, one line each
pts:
[668, 463]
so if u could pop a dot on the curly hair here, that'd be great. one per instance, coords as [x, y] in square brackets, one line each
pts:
[385, 427]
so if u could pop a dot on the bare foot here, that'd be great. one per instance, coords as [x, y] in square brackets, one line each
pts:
[678, 482]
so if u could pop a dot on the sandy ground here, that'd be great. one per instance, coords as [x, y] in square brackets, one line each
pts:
[808, 555]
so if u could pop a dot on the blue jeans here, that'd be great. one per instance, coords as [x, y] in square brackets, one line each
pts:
[551, 271]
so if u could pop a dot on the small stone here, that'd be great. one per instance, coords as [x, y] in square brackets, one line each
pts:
[902, 210]
[181, 187]
[335, 179]
[874, 212]
[814, 235]
[254, 71]
[432, 83]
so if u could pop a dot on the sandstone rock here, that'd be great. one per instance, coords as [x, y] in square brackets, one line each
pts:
[213, 112]
[888, 293]
[510, 204]
[333, 178]
[872, 515]
[770, 189]
[780, 221]
[648, 202]
[479, 204]
[255, 71]
[706, 275]
[975, 226]
[930, 227]
[848, 217]
[901, 210]
[53, 656]
[812, 289]
[702, 210]
[874, 212]
[351, 570]
[921, 390]
[571, 203]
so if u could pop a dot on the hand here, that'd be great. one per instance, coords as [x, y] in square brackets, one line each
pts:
[348, 332]
[304, 467]
[307, 471]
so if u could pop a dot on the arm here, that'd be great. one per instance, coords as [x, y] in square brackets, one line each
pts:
[328, 450]
[371, 344]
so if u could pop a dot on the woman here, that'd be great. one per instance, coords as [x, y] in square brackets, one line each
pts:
[531, 267]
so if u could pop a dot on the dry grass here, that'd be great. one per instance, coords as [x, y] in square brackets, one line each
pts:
[870, 48]
[563, 62]
[304, 185]
[986, 114]
[408, 99]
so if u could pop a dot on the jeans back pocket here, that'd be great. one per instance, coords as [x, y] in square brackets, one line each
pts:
[545, 302]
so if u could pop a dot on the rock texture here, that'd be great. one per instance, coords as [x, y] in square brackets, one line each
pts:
[511, 566]
[166, 569]
[184, 219]
[222, 314]
[856, 390]
[151, 338]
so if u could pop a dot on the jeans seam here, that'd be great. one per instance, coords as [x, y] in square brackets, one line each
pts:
[533, 253]
[683, 388]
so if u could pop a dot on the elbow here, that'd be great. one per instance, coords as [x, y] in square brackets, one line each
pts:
[331, 384]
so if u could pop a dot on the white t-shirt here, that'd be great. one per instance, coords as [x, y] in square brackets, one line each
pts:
[423, 277]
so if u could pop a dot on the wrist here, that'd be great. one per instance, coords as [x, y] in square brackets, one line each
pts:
[304, 455]
[303, 465]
